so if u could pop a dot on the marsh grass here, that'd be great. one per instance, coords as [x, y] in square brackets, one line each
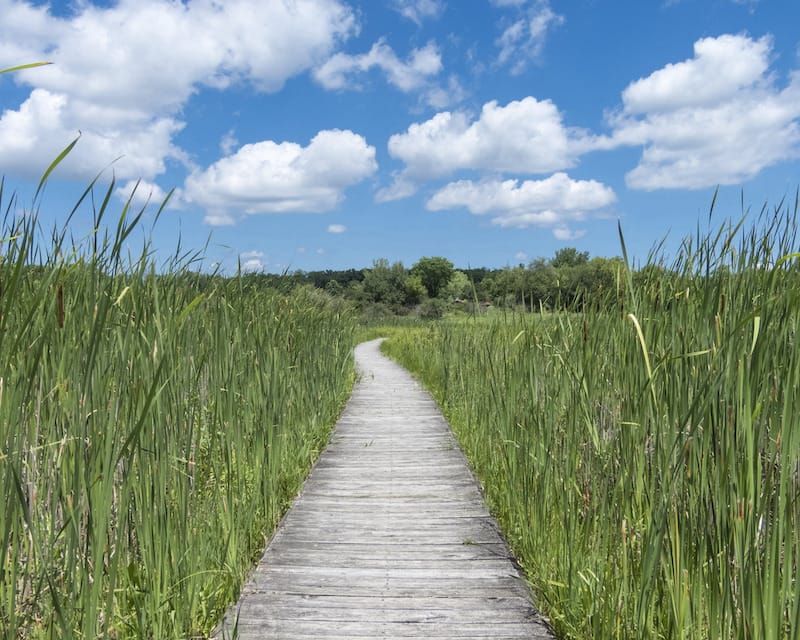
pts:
[154, 425]
[645, 461]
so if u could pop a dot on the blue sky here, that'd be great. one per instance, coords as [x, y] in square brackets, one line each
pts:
[315, 134]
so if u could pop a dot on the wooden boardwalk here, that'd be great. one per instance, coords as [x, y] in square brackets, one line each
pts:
[389, 537]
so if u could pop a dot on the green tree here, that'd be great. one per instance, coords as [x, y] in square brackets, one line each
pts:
[458, 287]
[334, 288]
[541, 284]
[385, 283]
[569, 257]
[434, 273]
[414, 291]
[355, 292]
[514, 286]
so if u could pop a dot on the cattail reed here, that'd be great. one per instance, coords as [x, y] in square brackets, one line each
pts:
[150, 444]
[653, 491]
[60, 306]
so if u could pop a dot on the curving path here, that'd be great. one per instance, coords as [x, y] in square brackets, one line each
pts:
[389, 537]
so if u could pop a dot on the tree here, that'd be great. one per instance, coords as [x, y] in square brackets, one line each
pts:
[384, 283]
[569, 257]
[413, 290]
[458, 287]
[434, 272]
[334, 288]
[541, 284]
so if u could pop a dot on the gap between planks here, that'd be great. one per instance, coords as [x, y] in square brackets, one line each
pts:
[389, 537]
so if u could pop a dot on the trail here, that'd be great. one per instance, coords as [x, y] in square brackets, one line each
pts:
[389, 537]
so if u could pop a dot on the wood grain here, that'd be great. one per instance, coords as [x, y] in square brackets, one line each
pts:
[389, 537]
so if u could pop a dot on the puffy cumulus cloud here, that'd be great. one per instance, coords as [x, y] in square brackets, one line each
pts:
[133, 144]
[551, 202]
[261, 42]
[123, 72]
[423, 63]
[24, 31]
[418, 10]
[720, 69]
[336, 228]
[716, 118]
[142, 193]
[523, 40]
[525, 136]
[252, 261]
[270, 177]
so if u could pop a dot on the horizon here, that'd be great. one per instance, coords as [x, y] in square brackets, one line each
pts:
[324, 134]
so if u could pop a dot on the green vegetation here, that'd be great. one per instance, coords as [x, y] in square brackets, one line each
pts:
[153, 427]
[434, 273]
[637, 438]
[22, 67]
[432, 287]
[643, 454]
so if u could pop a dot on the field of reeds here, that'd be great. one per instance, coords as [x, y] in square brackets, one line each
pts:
[644, 457]
[154, 424]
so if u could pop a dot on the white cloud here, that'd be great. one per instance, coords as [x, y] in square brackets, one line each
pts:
[228, 143]
[523, 40]
[525, 136]
[23, 30]
[264, 43]
[441, 97]
[417, 73]
[521, 256]
[142, 193]
[252, 261]
[400, 188]
[336, 228]
[717, 118]
[721, 68]
[32, 136]
[270, 177]
[252, 266]
[219, 219]
[122, 73]
[413, 74]
[550, 202]
[418, 10]
[565, 233]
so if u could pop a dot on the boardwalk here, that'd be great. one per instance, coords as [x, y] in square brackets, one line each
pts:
[389, 537]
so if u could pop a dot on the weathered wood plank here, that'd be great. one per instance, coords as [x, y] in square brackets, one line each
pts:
[390, 537]
[378, 628]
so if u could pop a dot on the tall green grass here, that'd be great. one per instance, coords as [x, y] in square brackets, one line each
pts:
[154, 425]
[645, 462]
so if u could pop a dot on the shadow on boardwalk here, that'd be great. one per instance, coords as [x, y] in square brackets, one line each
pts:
[389, 537]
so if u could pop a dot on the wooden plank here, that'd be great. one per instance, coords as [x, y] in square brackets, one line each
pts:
[380, 629]
[389, 537]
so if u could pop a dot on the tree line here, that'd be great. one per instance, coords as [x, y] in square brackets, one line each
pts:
[568, 280]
